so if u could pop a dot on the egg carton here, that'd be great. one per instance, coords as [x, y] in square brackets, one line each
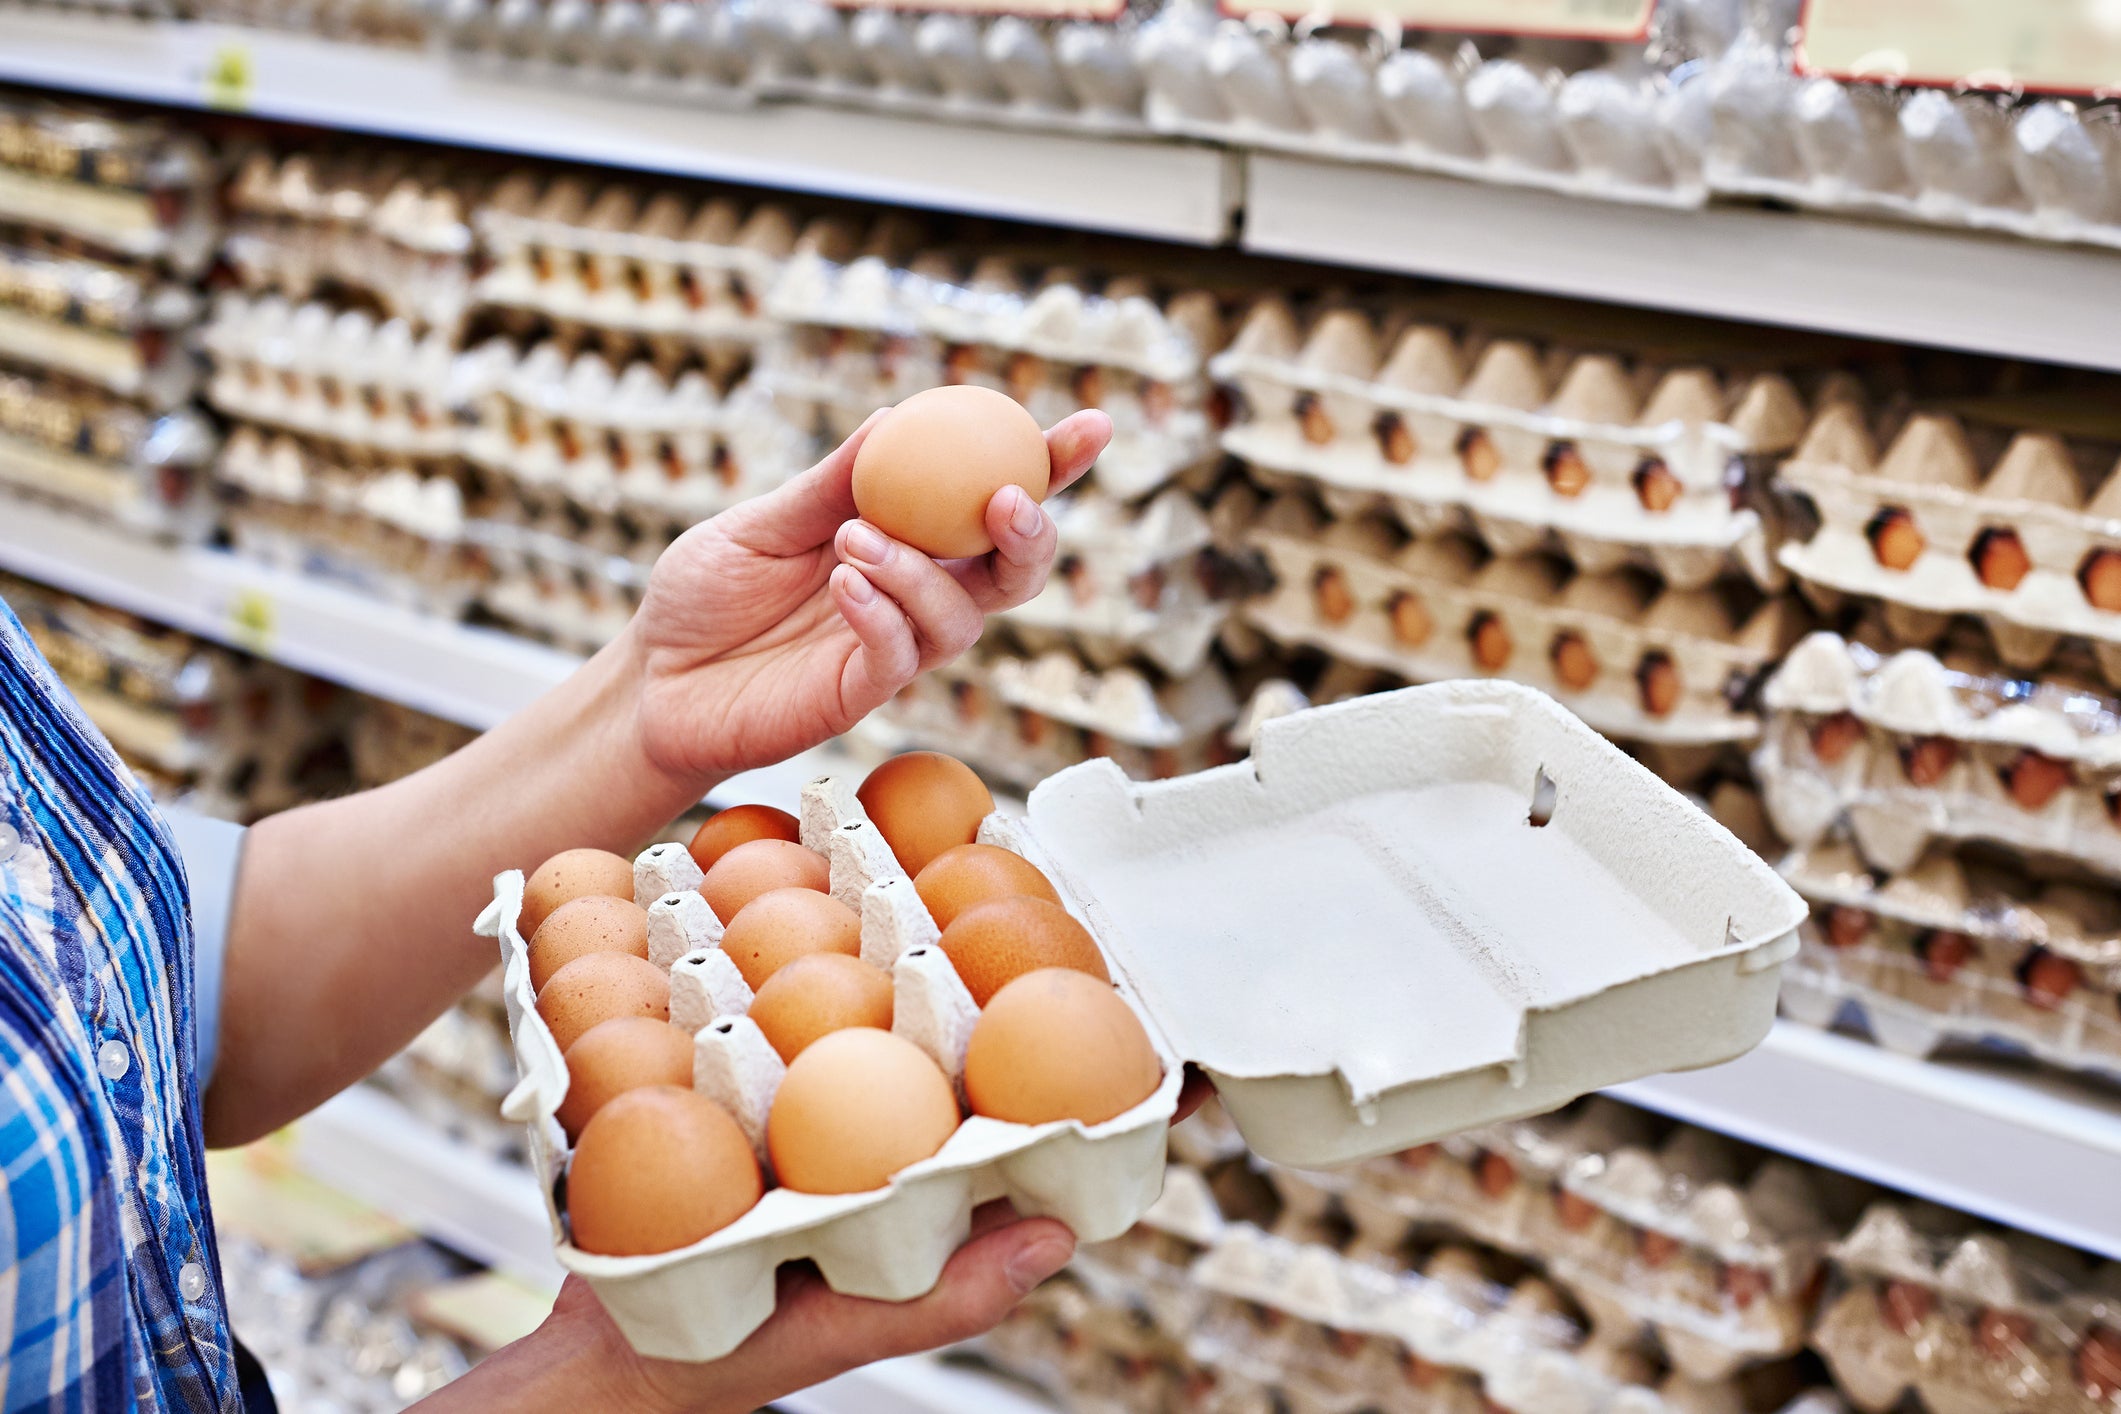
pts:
[694, 52]
[117, 326]
[1527, 448]
[2051, 502]
[91, 450]
[1092, 1354]
[141, 189]
[356, 552]
[1417, 609]
[1594, 120]
[575, 584]
[1969, 1320]
[1150, 1266]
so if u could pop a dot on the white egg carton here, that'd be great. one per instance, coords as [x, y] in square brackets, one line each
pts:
[1622, 619]
[1390, 414]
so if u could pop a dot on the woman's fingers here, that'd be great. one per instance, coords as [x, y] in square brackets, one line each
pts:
[1024, 542]
[805, 511]
[887, 651]
[945, 619]
[1074, 443]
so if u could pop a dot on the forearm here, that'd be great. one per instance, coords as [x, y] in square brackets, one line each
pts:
[351, 927]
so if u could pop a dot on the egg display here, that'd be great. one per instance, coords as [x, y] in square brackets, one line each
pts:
[569, 875]
[927, 470]
[739, 824]
[618, 1055]
[758, 867]
[659, 1168]
[923, 803]
[818, 994]
[994, 943]
[593, 923]
[855, 1108]
[1059, 1044]
[598, 987]
[970, 874]
[782, 925]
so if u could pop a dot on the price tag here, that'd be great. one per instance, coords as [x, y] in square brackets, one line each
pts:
[251, 620]
[1615, 21]
[1030, 9]
[231, 77]
[2047, 46]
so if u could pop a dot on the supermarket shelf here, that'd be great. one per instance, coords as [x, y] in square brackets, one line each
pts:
[1169, 190]
[1952, 289]
[2027, 1150]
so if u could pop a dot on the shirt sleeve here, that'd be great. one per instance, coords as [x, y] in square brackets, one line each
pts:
[212, 850]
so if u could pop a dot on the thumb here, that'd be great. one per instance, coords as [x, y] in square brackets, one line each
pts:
[982, 1283]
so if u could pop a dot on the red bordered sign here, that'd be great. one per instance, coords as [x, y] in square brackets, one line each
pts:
[2033, 46]
[1614, 21]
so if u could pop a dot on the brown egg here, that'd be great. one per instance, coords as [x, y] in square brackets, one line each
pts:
[758, 867]
[1834, 737]
[2000, 559]
[657, 1169]
[1312, 419]
[992, 944]
[928, 468]
[2033, 779]
[856, 1107]
[817, 994]
[1894, 539]
[1905, 1306]
[1411, 624]
[2098, 1363]
[1656, 487]
[1943, 953]
[1658, 678]
[1331, 596]
[1656, 1249]
[1395, 440]
[1477, 454]
[1574, 663]
[572, 874]
[971, 874]
[592, 923]
[1846, 926]
[599, 987]
[923, 803]
[1490, 638]
[1566, 471]
[1057, 1044]
[2002, 1335]
[739, 824]
[1497, 1175]
[2101, 579]
[782, 925]
[2049, 978]
[1575, 1211]
[1925, 760]
[1743, 1284]
[618, 1055]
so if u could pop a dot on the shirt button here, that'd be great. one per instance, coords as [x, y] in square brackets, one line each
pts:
[10, 841]
[191, 1281]
[113, 1059]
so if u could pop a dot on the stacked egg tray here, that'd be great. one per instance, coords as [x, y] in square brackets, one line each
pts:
[1904, 750]
[1958, 951]
[140, 190]
[115, 325]
[86, 448]
[1969, 1320]
[2016, 527]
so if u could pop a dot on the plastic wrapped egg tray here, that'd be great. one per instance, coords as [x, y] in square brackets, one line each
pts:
[1958, 952]
[1432, 610]
[1904, 750]
[1963, 487]
[116, 325]
[1526, 448]
[142, 189]
[1969, 1320]
[85, 448]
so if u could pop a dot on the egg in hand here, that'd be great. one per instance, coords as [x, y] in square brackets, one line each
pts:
[927, 470]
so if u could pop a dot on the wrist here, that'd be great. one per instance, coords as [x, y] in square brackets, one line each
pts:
[626, 749]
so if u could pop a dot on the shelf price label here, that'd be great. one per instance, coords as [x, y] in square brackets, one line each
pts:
[1030, 9]
[230, 78]
[2045, 46]
[1615, 21]
[251, 620]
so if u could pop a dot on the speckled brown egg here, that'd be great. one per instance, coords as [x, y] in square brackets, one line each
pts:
[994, 943]
[740, 824]
[657, 1169]
[927, 470]
[923, 803]
[818, 994]
[759, 867]
[782, 925]
[597, 988]
[618, 1055]
[568, 875]
[855, 1108]
[970, 874]
[593, 923]
[1057, 1044]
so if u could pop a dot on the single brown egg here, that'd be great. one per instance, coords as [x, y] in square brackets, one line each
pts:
[1846, 926]
[1894, 539]
[597, 988]
[1657, 1249]
[1395, 440]
[1943, 953]
[1658, 678]
[928, 468]
[1574, 663]
[1331, 596]
[2101, 579]
[1058, 1044]
[1565, 469]
[2049, 978]
[2000, 558]
[1575, 1211]
[618, 1055]
[1411, 624]
[592, 923]
[782, 925]
[923, 803]
[1496, 1174]
[817, 994]
[970, 874]
[856, 1107]
[1656, 487]
[1313, 420]
[1906, 1306]
[1833, 737]
[657, 1169]
[2002, 1335]
[572, 874]
[740, 824]
[1477, 454]
[1490, 638]
[2098, 1363]
[1744, 1285]
[2033, 779]
[992, 944]
[1925, 760]
[760, 867]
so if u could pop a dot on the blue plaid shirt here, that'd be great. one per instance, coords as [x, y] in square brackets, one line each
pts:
[110, 1283]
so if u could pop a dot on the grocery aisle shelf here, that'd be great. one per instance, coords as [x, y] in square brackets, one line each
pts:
[1923, 285]
[2028, 1150]
[1169, 190]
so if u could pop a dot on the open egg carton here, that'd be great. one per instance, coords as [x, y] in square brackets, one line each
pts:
[1958, 950]
[1969, 1320]
[1611, 460]
[88, 449]
[338, 375]
[869, 330]
[1903, 750]
[1670, 668]
[138, 188]
[380, 220]
[2009, 516]
[1618, 121]
[657, 263]
[119, 326]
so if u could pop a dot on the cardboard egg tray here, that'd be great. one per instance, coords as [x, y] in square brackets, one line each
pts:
[140, 188]
[1969, 1320]
[573, 585]
[1904, 750]
[84, 448]
[138, 354]
[1357, 572]
[1151, 1264]
[2058, 497]
[1870, 949]
[1526, 447]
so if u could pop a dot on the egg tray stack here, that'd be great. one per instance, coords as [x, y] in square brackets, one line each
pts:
[102, 223]
[1969, 1319]
[454, 1075]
